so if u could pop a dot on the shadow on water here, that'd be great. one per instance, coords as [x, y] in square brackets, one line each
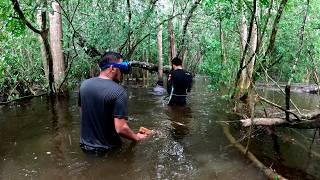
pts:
[40, 140]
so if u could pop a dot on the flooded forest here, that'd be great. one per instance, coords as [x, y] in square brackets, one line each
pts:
[249, 72]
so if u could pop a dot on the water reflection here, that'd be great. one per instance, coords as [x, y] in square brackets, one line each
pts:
[40, 141]
[180, 117]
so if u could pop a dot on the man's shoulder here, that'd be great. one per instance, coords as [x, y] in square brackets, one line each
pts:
[183, 71]
[188, 73]
[102, 83]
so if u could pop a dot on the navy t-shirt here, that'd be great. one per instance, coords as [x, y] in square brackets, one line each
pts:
[179, 84]
[101, 100]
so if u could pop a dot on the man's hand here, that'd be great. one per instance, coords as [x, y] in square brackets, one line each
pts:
[142, 136]
[124, 130]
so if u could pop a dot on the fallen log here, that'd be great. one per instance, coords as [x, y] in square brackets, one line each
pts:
[262, 121]
[149, 66]
[281, 122]
[270, 173]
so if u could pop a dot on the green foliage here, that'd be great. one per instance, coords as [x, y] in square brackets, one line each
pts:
[105, 25]
[21, 70]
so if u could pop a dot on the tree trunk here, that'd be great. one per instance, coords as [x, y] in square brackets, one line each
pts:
[223, 51]
[247, 61]
[160, 61]
[172, 49]
[222, 45]
[252, 52]
[42, 23]
[243, 41]
[182, 50]
[184, 57]
[129, 26]
[44, 36]
[275, 27]
[56, 45]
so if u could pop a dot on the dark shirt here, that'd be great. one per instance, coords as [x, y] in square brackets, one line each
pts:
[179, 84]
[101, 100]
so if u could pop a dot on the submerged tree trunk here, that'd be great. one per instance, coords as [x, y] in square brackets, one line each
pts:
[160, 60]
[56, 45]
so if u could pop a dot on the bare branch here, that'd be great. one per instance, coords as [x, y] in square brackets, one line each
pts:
[18, 10]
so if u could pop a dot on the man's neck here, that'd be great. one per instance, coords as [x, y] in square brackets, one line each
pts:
[104, 76]
[178, 67]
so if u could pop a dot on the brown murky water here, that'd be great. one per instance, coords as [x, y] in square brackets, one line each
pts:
[40, 140]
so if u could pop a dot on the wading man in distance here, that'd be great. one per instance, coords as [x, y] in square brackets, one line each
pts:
[179, 83]
[104, 108]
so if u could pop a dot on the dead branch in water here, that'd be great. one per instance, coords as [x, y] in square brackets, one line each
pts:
[302, 121]
[149, 66]
[305, 124]
[270, 173]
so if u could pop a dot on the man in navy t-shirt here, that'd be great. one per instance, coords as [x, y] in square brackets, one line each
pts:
[179, 83]
[104, 109]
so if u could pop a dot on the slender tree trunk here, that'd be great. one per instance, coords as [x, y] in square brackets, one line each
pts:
[172, 49]
[129, 25]
[40, 14]
[44, 36]
[184, 57]
[243, 41]
[160, 60]
[222, 45]
[144, 72]
[251, 58]
[275, 27]
[183, 48]
[264, 28]
[56, 44]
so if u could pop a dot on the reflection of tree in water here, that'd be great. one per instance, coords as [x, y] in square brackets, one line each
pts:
[180, 117]
[61, 142]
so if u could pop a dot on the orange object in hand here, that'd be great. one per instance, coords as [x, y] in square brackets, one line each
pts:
[146, 131]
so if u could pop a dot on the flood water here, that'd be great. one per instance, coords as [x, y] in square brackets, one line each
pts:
[40, 140]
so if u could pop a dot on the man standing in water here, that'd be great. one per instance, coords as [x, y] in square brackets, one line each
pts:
[159, 90]
[104, 110]
[179, 83]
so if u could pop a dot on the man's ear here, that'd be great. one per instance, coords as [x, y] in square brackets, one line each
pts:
[112, 69]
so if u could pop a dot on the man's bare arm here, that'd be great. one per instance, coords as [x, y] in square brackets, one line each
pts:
[125, 131]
